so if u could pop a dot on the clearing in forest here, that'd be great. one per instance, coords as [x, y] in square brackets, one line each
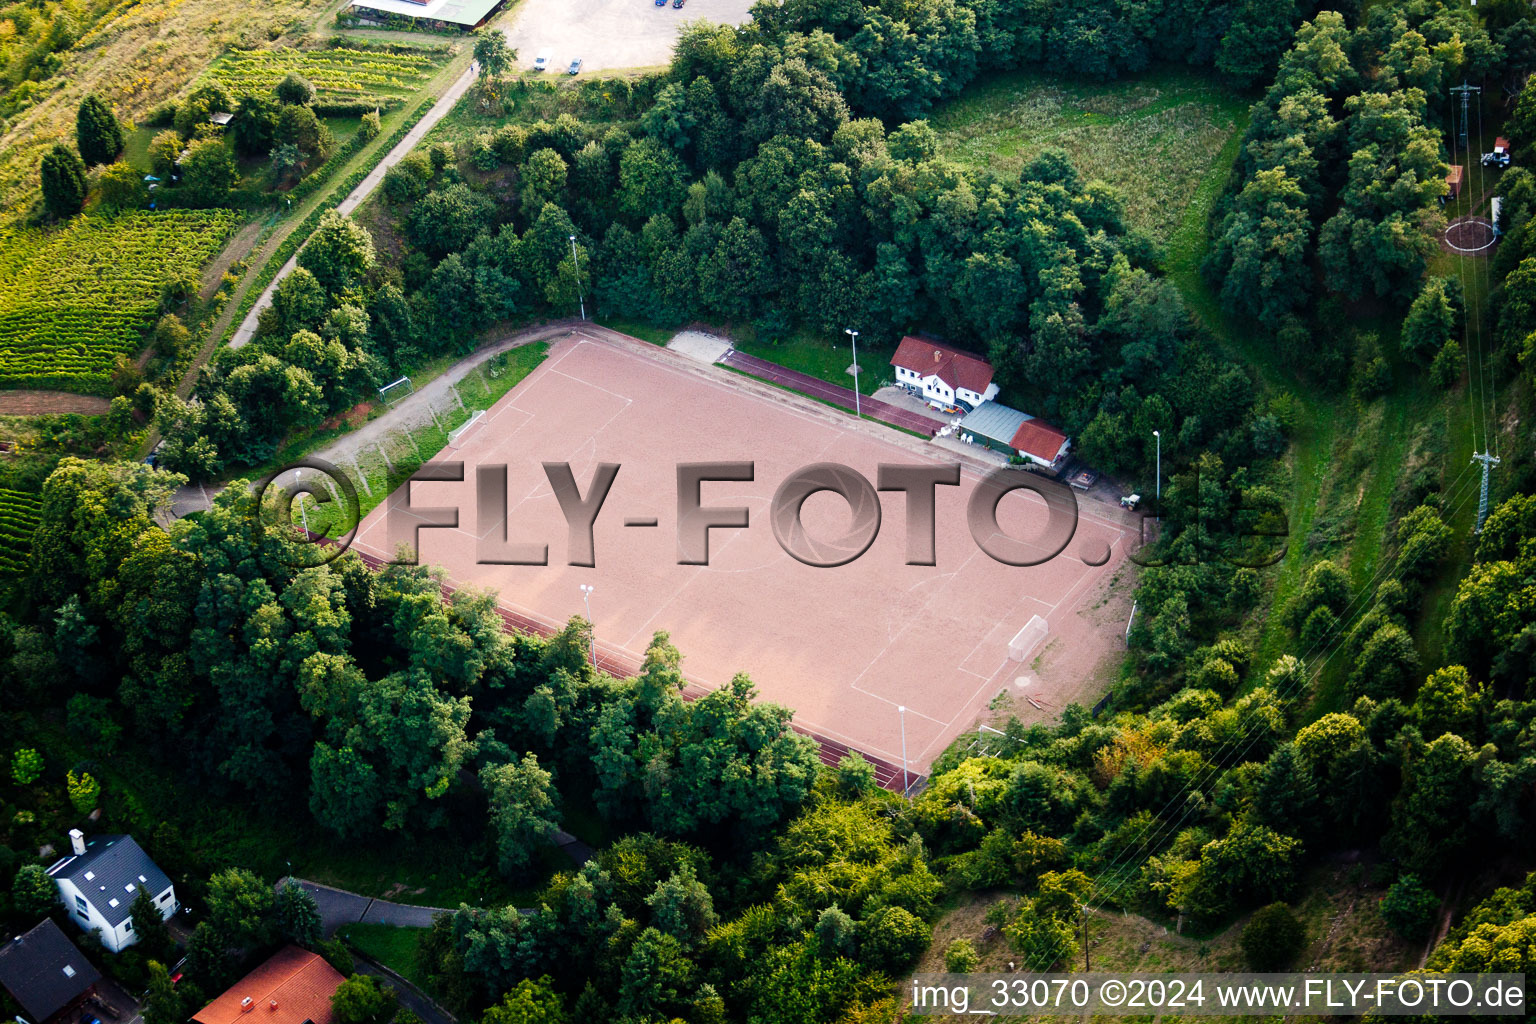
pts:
[1154, 137]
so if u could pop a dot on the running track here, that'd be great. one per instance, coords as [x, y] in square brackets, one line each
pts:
[834, 393]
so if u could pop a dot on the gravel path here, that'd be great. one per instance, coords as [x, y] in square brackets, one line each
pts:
[440, 109]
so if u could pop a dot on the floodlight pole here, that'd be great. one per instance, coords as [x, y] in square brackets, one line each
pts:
[586, 599]
[576, 265]
[1159, 481]
[857, 411]
[905, 785]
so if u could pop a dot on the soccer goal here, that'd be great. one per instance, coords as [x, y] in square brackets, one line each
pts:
[1028, 638]
[391, 393]
[456, 437]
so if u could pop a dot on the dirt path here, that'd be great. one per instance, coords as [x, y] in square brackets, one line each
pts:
[37, 403]
[235, 249]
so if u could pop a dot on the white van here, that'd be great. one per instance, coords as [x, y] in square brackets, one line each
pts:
[541, 62]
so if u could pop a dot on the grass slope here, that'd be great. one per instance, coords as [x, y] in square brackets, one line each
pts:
[1152, 136]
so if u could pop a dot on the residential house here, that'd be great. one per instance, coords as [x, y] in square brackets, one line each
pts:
[294, 986]
[101, 878]
[946, 377]
[47, 976]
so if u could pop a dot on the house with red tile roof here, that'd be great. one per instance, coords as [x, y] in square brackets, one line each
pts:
[294, 986]
[945, 376]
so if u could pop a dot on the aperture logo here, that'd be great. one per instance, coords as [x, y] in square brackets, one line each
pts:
[335, 498]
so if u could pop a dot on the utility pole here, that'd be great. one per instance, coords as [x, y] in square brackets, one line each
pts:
[905, 785]
[1086, 967]
[1488, 461]
[1466, 91]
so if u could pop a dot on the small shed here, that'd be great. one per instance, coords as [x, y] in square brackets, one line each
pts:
[46, 974]
[221, 118]
[1453, 182]
[996, 426]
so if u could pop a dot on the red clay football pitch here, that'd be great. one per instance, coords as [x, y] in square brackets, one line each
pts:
[844, 647]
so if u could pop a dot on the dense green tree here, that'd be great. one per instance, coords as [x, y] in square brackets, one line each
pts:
[63, 182]
[32, 892]
[154, 935]
[1272, 938]
[447, 219]
[1409, 907]
[363, 999]
[339, 253]
[297, 914]
[492, 54]
[121, 187]
[523, 813]
[240, 906]
[97, 131]
[208, 172]
[253, 126]
[294, 90]
[531, 1002]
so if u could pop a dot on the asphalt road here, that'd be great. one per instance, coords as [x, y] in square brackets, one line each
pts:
[339, 907]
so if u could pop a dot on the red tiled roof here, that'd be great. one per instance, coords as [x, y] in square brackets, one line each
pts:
[1037, 438]
[1454, 177]
[956, 368]
[299, 982]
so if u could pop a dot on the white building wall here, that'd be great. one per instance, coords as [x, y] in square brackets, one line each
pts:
[90, 919]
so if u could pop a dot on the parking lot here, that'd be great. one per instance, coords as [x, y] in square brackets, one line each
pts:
[610, 34]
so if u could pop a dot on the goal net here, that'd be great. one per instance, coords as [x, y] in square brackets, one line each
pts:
[397, 390]
[1027, 639]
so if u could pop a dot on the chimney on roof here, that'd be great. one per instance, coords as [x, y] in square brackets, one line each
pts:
[247, 1004]
[272, 1005]
[937, 355]
[77, 841]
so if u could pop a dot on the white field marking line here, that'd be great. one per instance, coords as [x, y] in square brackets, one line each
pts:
[701, 569]
[791, 408]
[969, 706]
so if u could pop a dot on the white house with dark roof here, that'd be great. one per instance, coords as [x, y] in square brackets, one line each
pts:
[101, 878]
[945, 376]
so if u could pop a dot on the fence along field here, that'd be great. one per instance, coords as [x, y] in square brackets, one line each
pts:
[341, 76]
[74, 299]
[19, 515]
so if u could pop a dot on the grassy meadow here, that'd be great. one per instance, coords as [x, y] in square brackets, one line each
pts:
[1155, 137]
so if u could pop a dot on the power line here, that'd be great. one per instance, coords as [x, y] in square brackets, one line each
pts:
[1461, 259]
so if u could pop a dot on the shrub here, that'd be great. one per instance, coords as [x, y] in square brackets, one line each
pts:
[84, 791]
[370, 127]
[891, 938]
[33, 892]
[1409, 907]
[961, 957]
[26, 766]
[1272, 938]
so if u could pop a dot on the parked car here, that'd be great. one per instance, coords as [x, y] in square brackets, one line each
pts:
[575, 67]
[541, 62]
[678, 3]
[661, 3]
